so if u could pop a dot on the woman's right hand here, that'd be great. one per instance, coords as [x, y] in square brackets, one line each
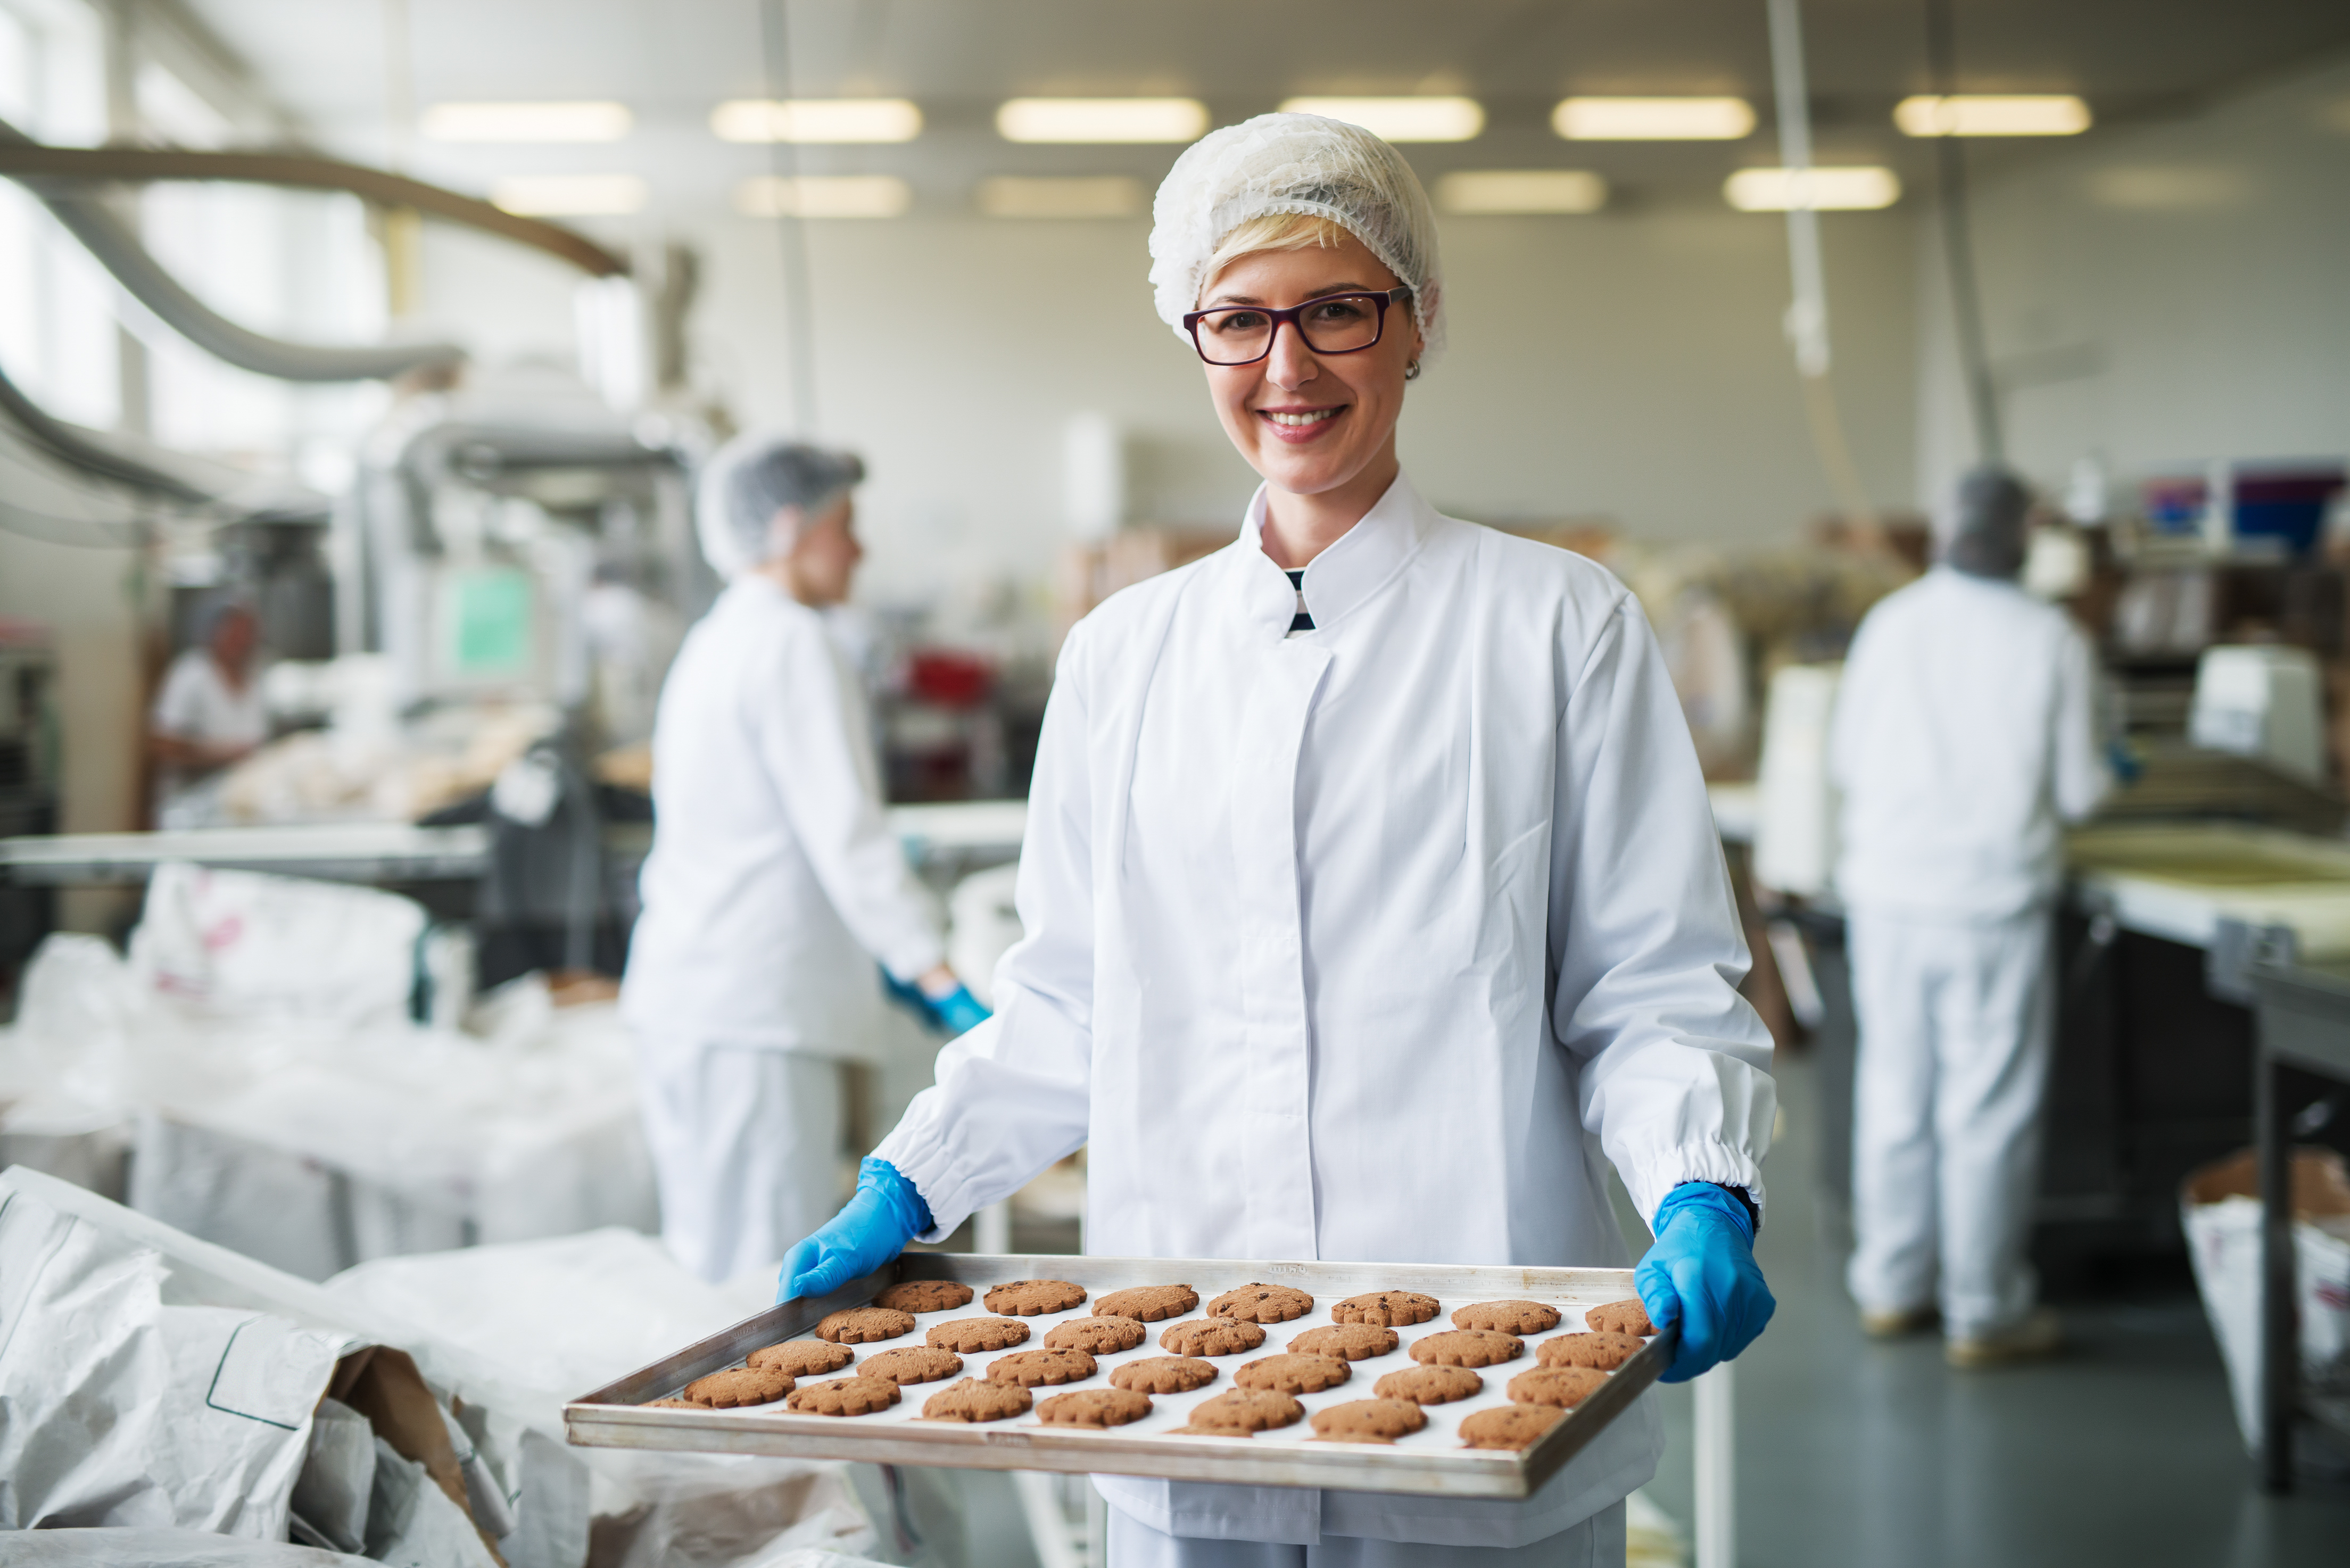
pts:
[873, 1229]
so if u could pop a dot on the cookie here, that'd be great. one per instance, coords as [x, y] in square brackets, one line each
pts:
[1094, 1408]
[1147, 1304]
[803, 1357]
[1620, 1317]
[1509, 1317]
[925, 1295]
[1294, 1374]
[739, 1385]
[1027, 1298]
[843, 1396]
[1237, 1412]
[674, 1405]
[1466, 1347]
[862, 1325]
[1029, 1367]
[1604, 1351]
[911, 1363]
[970, 1335]
[1387, 1309]
[1368, 1421]
[1212, 1336]
[1097, 1335]
[974, 1399]
[1352, 1341]
[1511, 1427]
[1165, 1374]
[1262, 1304]
[1429, 1384]
[1564, 1387]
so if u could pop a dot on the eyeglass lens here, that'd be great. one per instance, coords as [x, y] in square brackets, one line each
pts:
[1339, 325]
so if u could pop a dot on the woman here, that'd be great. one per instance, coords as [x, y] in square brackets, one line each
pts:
[1370, 890]
[773, 875]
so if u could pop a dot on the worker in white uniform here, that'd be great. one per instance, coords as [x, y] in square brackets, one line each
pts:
[1370, 895]
[210, 712]
[774, 883]
[1965, 733]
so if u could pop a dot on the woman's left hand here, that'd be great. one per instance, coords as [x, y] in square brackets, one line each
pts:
[1702, 1274]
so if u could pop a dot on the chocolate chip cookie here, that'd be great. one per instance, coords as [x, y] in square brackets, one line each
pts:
[1368, 1421]
[972, 1399]
[974, 1334]
[1429, 1384]
[1027, 1298]
[1237, 1412]
[1604, 1351]
[1620, 1317]
[1097, 1335]
[843, 1396]
[1148, 1303]
[1212, 1336]
[1294, 1374]
[1094, 1408]
[911, 1363]
[1262, 1304]
[1387, 1309]
[1466, 1347]
[1511, 1427]
[925, 1295]
[803, 1357]
[739, 1385]
[1353, 1341]
[1564, 1387]
[1029, 1367]
[1508, 1318]
[1165, 1374]
[862, 1325]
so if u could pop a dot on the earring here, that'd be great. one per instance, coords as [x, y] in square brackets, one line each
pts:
[1411, 371]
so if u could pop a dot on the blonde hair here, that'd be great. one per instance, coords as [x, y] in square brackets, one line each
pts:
[1271, 232]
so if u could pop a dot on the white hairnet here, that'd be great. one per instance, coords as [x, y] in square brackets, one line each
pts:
[1293, 163]
[752, 477]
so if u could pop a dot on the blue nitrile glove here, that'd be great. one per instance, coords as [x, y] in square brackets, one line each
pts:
[1702, 1274]
[875, 1227]
[906, 994]
[957, 1012]
[2124, 762]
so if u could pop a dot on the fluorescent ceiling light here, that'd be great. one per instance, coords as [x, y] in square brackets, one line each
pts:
[816, 119]
[525, 122]
[1416, 118]
[1498, 193]
[823, 196]
[569, 195]
[1107, 196]
[1853, 188]
[1993, 114]
[1652, 118]
[1102, 120]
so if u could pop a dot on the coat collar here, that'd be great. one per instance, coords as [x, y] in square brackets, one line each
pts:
[1344, 575]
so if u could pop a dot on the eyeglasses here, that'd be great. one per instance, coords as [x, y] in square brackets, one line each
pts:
[1334, 324]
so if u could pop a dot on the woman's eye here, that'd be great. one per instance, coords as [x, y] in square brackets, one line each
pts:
[1339, 312]
[1237, 321]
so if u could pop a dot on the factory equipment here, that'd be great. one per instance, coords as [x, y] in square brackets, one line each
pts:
[2262, 703]
[29, 778]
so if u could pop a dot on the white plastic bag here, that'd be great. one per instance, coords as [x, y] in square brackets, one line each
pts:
[277, 946]
[2221, 1213]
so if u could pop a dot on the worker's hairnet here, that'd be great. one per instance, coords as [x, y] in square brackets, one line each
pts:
[752, 477]
[1993, 506]
[1293, 163]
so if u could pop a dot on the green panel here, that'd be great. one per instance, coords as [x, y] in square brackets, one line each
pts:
[490, 623]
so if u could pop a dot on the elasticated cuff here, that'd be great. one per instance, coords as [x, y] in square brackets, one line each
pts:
[1711, 1195]
[885, 1182]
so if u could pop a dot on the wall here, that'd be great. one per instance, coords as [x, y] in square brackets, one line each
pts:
[2159, 296]
[1629, 364]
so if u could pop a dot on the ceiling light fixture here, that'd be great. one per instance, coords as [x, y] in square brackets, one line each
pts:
[1652, 118]
[823, 196]
[525, 122]
[798, 120]
[1505, 193]
[1102, 120]
[1993, 114]
[569, 195]
[1102, 196]
[1847, 189]
[1415, 118]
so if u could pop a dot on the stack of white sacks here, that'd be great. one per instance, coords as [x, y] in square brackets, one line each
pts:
[255, 1055]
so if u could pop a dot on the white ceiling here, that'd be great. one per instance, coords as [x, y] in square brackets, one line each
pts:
[327, 62]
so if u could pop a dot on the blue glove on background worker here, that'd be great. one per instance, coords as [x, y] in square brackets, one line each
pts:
[875, 1227]
[956, 1013]
[1702, 1274]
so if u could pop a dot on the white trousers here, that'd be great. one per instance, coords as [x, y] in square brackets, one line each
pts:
[746, 1148]
[1956, 1020]
[1596, 1541]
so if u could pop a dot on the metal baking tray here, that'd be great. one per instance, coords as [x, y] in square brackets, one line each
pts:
[1432, 1461]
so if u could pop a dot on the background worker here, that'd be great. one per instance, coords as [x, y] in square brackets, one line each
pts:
[1965, 733]
[1370, 892]
[774, 883]
[209, 712]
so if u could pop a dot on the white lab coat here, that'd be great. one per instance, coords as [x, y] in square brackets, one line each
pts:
[1366, 944]
[773, 887]
[1964, 737]
[774, 883]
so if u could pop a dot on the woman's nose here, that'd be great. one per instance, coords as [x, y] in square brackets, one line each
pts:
[1290, 363]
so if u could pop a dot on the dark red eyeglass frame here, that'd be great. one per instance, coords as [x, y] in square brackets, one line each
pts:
[1385, 297]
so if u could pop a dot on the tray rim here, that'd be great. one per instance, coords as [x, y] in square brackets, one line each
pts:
[615, 1416]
